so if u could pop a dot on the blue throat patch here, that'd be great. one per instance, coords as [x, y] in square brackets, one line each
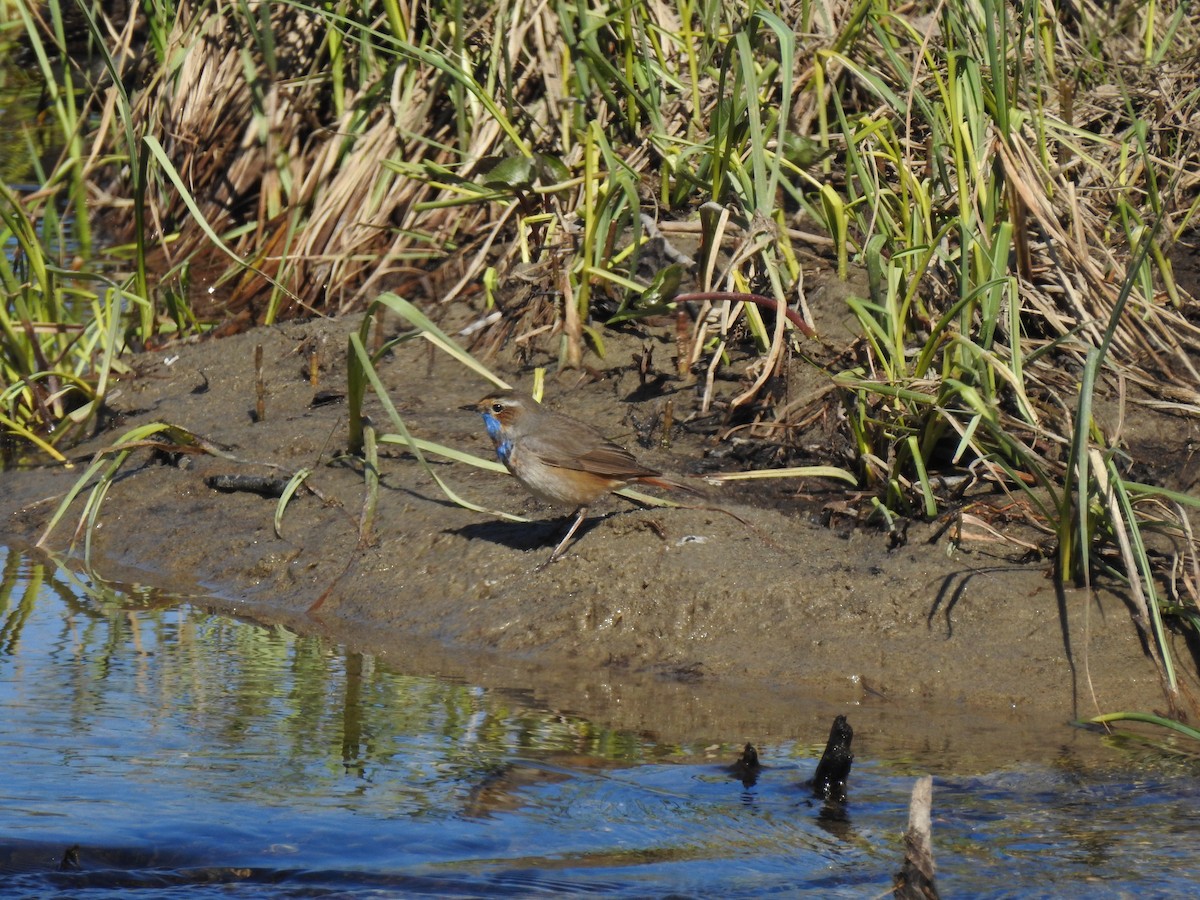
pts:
[494, 428]
[495, 431]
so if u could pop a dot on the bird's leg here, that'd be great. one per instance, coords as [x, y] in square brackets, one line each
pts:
[562, 545]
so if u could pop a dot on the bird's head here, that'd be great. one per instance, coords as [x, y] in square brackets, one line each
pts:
[504, 412]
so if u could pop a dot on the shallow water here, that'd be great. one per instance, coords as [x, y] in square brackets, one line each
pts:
[177, 748]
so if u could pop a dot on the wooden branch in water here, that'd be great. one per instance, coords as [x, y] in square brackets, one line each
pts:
[915, 880]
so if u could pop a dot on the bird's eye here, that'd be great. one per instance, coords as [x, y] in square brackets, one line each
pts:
[497, 408]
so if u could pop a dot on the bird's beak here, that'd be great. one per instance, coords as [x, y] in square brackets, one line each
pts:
[470, 407]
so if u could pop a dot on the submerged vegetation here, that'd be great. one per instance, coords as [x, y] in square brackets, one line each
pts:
[1007, 181]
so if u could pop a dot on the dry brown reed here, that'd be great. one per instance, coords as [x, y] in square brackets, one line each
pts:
[263, 145]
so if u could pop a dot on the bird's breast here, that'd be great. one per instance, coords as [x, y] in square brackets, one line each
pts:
[554, 484]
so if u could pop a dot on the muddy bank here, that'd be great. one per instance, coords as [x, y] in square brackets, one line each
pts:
[685, 601]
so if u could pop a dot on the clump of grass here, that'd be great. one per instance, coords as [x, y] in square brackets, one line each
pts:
[98, 477]
[60, 336]
[986, 284]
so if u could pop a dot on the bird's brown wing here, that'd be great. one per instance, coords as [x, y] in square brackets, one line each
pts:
[588, 452]
[614, 461]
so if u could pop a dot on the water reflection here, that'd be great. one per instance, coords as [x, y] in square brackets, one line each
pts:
[30, 137]
[179, 748]
[209, 691]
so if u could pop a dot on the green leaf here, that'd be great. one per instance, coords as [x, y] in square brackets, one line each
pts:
[513, 172]
[656, 300]
[289, 491]
[1162, 721]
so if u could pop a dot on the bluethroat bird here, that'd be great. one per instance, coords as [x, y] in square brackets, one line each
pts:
[560, 460]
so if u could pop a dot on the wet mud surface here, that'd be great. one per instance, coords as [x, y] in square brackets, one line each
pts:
[684, 621]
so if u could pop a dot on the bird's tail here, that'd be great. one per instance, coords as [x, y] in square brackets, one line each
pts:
[672, 483]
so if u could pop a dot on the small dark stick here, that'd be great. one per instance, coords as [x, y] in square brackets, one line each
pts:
[747, 767]
[829, 782]
[263, 485]
[70, 859]
[645, 363]
[313, 351]
[668, 422]
[683, 344]
[260, 387]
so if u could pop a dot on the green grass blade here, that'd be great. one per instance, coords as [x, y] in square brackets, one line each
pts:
[795, 472]
[394, 417]
[1148, 718]
[435, 335]
[285, 498]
